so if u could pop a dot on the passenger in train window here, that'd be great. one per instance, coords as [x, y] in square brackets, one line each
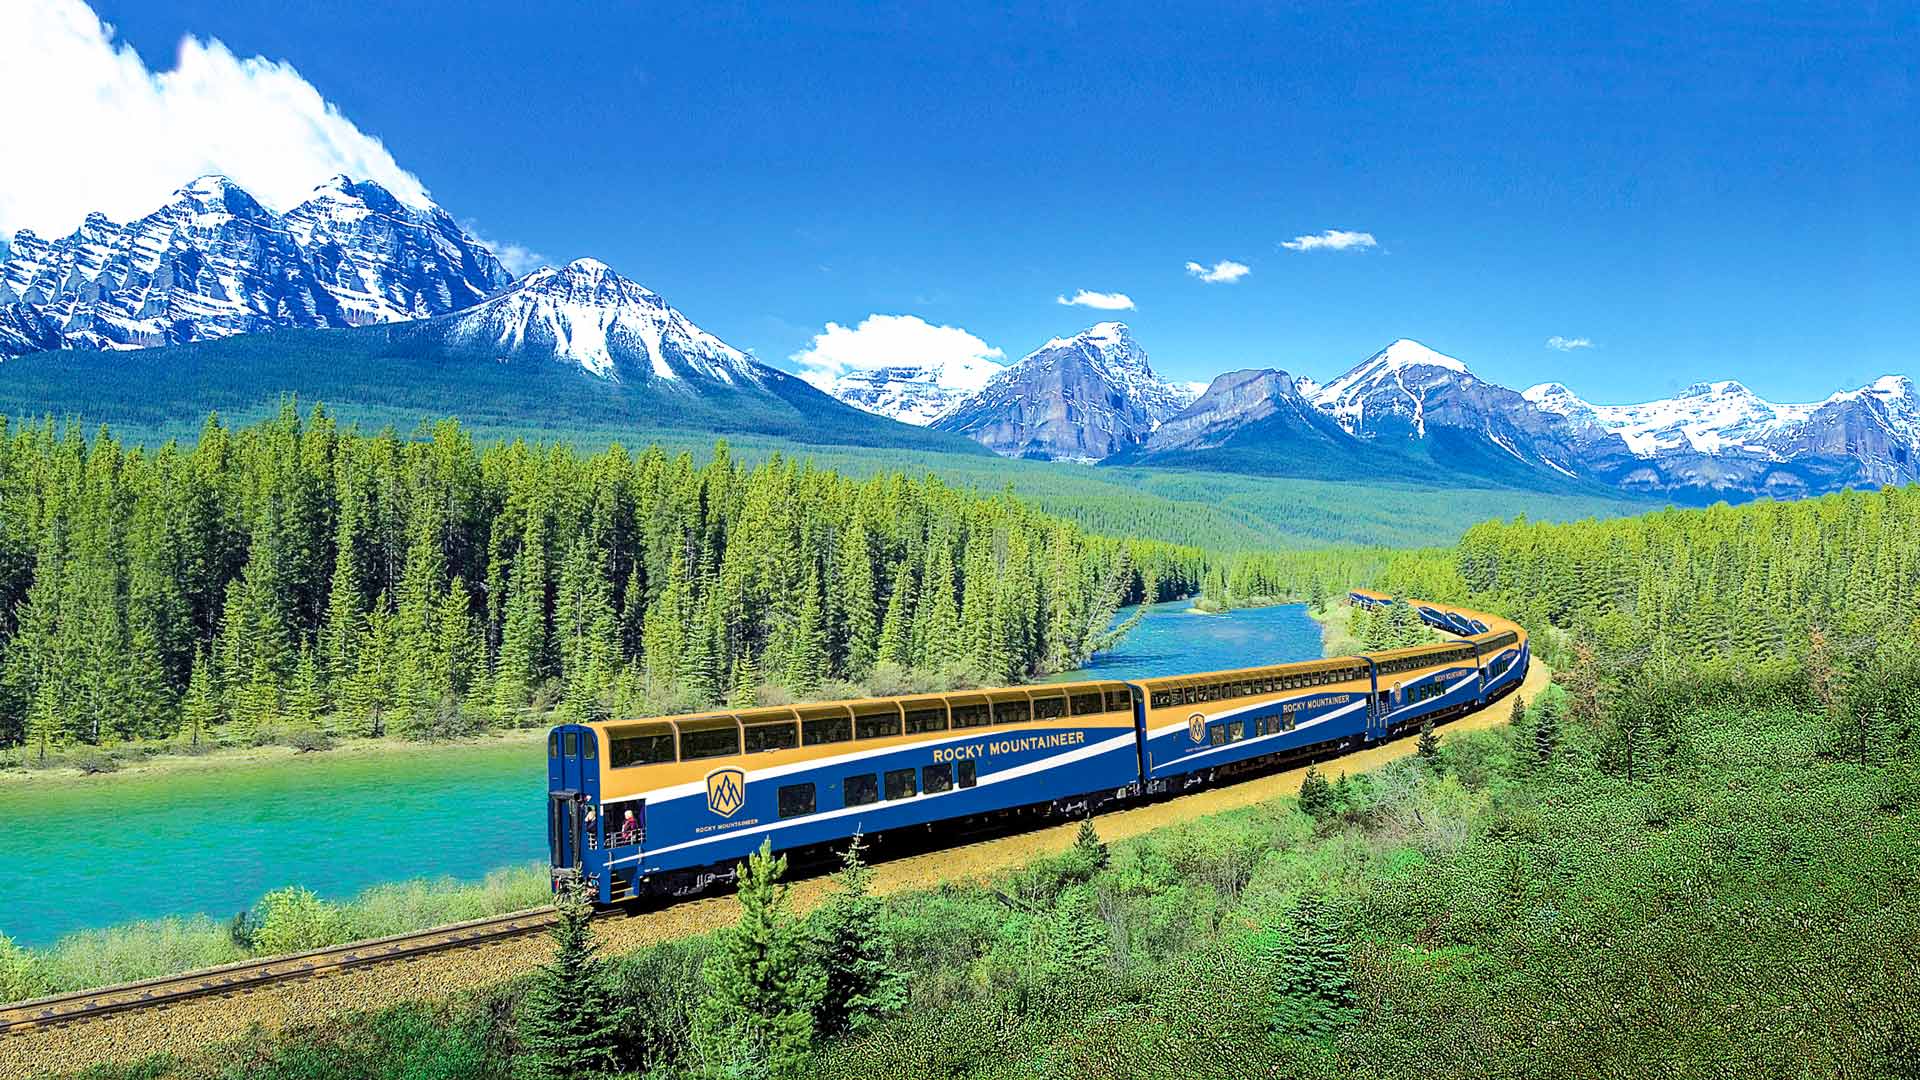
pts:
[629, 829]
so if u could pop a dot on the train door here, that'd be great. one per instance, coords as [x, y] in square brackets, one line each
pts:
[571, 754]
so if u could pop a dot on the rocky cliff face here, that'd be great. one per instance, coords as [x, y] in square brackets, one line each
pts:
[213, 262]
[1081, 398]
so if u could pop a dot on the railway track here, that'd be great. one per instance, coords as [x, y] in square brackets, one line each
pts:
[911, 865]
[241, 978]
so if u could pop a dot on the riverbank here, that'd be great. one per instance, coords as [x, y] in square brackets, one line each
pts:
[189, 1029]
[178, 762]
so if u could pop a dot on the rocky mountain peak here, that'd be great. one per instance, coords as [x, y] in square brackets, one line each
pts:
[588, 314]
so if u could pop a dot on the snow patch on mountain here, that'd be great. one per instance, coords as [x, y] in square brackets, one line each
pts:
[212, 262]
[612, 327]
[1398, 376]
[1078, 398]
[911, 393]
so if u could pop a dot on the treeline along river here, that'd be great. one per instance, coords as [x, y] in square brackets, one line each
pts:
[95, 852]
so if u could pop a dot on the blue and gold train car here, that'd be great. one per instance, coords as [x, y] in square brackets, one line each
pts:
[667, 804]
[677, 797]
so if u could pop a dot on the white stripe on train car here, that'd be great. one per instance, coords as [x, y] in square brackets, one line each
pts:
[699, 787]
[986, 780]
[1229, 714]
[1341, 711]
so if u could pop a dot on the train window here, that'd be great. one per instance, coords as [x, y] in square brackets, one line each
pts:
[860, 789]
[1287, 721]
[1162, 699]
[966, 716]
[1012, 712]
[1049, 708]
[923, 720]
[937, 778]
[589, 747]
[1236, 731]
[1218, 736]
[876, 725]
[1118, 700]
[795, 800]
[963, 773]
[572, 742]
[1087, 704]
[640, 749]
[900, 784]
[553, 745]
[714, 742]
[772, 737]
[826, 729]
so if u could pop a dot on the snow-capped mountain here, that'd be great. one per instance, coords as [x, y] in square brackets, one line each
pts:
[586, 314]
[1721, 436]
[1081, 398]
[1409, 392]
[913, 393]
[212, 262]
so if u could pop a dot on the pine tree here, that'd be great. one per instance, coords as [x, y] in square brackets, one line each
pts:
[570, 1019]
[1429, 745]
[308, 703]
[862, 987]
[762, 989]
[1546, 727]
[858, 599]
[1078, 941]
[1316, 795]
[200, 709]
[524, 633]
[807, 658]
[1090, 847]
[1311, 993]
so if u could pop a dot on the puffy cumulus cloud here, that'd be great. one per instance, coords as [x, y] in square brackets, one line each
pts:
[91, 128]
[890, 340]
[1332, 240]
[1224, 272]
[1568, 344]
[1105, 301]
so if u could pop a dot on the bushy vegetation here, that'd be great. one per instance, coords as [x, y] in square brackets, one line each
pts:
[291, 576]
[285, 920]
[1498, 910]
[1815, 604]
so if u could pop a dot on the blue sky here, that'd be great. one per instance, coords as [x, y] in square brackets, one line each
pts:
[1700, 193]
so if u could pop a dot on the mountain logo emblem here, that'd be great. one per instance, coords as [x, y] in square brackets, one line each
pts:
[726, 791]
[1197, 727]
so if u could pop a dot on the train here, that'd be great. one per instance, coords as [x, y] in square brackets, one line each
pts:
[668, 806]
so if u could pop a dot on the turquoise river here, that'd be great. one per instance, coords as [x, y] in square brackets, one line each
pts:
[98, 851]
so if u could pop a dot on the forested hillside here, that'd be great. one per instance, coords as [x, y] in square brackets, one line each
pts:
[1814, 604]
[292, 575]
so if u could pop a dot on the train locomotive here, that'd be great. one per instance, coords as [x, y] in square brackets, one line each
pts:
[667, 805]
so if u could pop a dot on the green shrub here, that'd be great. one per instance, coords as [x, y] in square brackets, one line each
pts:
[92, 761]
[310, 740]
[294, 920]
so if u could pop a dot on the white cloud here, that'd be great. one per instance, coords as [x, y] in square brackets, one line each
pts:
[1105, 301]
[1568, 344]
[517, 258]
[89, 127]
[886, 340]
[1331, 240]
[1226, 271]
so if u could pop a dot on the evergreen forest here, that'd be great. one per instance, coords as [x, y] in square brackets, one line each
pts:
[296, 579]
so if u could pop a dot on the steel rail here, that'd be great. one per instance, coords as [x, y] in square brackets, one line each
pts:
[247, 975]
